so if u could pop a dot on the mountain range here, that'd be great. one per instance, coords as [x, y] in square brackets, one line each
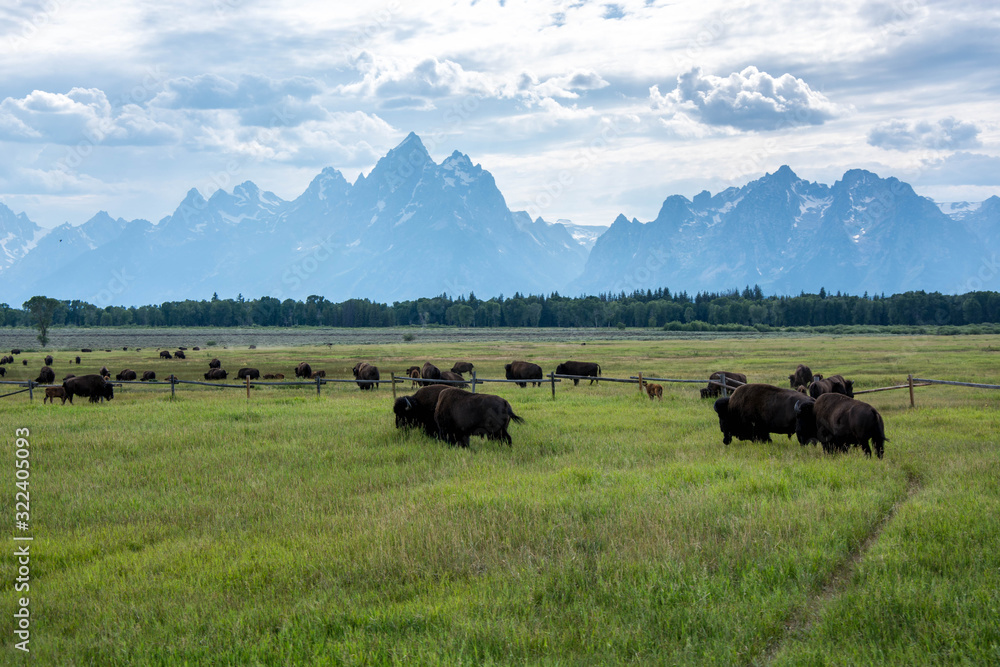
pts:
[415, 228]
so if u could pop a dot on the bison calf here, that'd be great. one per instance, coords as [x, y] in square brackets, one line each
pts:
[460, 414]
[52, 393]
[653, 390]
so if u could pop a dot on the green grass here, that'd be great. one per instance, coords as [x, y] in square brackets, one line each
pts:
[296, 529]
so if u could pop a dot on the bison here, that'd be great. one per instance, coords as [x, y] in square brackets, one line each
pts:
[524, 370]
[148, 375]
[179, 354]
[303, 370]
[417, 410]
[68, 376]
[835, 384]
[802, 375]
[52, 393]
[755, 411]
[3, 371]
[454, 377]
[318, 374]
[366, 375]
[717, 379]
[78, 361]
[653, 390]
[127, 375]
[216, 374]
[430, 372]
[48, 359]
[462, 367]
[215, 363]
[460, 414]
[245, 373]
[584, 368]
[85, 349]
[413, 372]
[92, 386]
[105, 373]
[839, 421]
[165, 354]
[45, 376]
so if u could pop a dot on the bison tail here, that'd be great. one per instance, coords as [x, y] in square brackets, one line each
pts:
[510, 413]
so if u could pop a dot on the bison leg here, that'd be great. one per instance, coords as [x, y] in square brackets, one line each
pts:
[576, 381]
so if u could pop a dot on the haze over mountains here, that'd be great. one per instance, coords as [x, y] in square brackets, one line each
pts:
[414, 228]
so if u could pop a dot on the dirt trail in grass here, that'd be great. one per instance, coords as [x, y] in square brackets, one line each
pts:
[797, 627]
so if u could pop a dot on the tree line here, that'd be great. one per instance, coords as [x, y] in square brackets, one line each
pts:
[650, 308]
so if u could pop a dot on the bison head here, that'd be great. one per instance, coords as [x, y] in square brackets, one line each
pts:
[403, 407]
[805, 422]
[722, 408]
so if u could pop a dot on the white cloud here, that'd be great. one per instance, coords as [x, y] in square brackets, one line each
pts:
[945, 134]
[746, 100]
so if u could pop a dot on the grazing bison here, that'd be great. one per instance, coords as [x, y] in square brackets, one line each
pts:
[172, 378]
[165, 354]
[85, 349]
[653, 390]
[755, 411]
[15, 351]
[245, 373]
[454, 377]
[430, 372]
[179, 354]
[68, 376]
[195, 348]
[52, 393]
[303, 370]
[45, 376]
[78, 361]
[92, 386]
[105, 373]
[462, 367]
[24, 362]
[279, 376]
[148, 375]
[460, 414]
[835, 384]
[3, 371]
[414, 373]
[802, 375]
[215, 363]
[216, 374]
[268, 376]
[418, 410]
[48, 360]
[584, 368]
[839, 421]
[524, 370]
[366, 375]
[719, 378]
[180, 347]
[127, 375]
[318, 374]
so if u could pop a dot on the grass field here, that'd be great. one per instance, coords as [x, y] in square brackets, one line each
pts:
[294, 529]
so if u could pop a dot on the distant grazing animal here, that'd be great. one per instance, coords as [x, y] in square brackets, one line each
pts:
[838, 422]
[417, 410]
[179, 354]
[460, 414]
[68, 376]
[165, 354]
[107, 350]
[3, 371]
[216, 374]
[124, 349]
[279, 376]
[585, 368]
[52, 393]
[430, 372]
[366, 374]
[653, 390]
[172, 378]
[85, 349]
[802, 375]
[148, 375]
[127, 375]
[105, 373]
[6, 360]
[303, 370]
[253, 347]
[78, 361]
[45, 376]
[215, 363]
[245, 373]
[92, 386]
[462, 367]
[16, 351]
[318, 374]
[24, 362]
[718, 378]
[454, 377]
[524, 370]
[195, 348]
[269, 376]
[48, 360]
[835, 384]
[414, 372]
[179, 347]
[755, 411]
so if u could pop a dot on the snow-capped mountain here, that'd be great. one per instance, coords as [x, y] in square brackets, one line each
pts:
[18, 236]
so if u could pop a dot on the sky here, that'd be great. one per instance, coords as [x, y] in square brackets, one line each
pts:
[580, 110]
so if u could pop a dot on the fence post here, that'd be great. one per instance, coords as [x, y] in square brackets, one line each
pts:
[393, 376]
[473, 382]
[640, 382]
[909, 380]
[552, 376]
[248, 386]
[173, 384]
[318, 378]
[31, 394]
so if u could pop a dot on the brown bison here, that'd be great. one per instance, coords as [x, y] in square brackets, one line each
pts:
[216, 374]
[755, 411]
[414, 373]
[653, 390]
[92, 386]
[148, 375]
[584, 368]
[48, 360]
[127, 374]
[802, 375]
[719, 378]
[85, 349]
[52, 393]
[366, 375]
[45, 376]
[68, 376]
[78, 361]
[165, 354]
[279, 376]
[835, 384]
[430, 372]
[460, 414]
[245, 373]
[524, 370]
[303, 370]
[215, 363]
[318, 374]
[3, 371]
[462, 367]
[417, 410]
[105, 373]
[179, 354]
[839, 421]
[454, 378]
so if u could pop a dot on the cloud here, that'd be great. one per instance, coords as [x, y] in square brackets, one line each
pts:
[529, 87]
[210, 91]
[961, 168]
[81, 116]
[747, 100]
[945, 134]
[427, 79]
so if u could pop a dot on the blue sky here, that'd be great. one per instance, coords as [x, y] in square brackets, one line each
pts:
[580, 110]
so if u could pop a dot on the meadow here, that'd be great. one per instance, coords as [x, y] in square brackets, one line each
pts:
[291, 528]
